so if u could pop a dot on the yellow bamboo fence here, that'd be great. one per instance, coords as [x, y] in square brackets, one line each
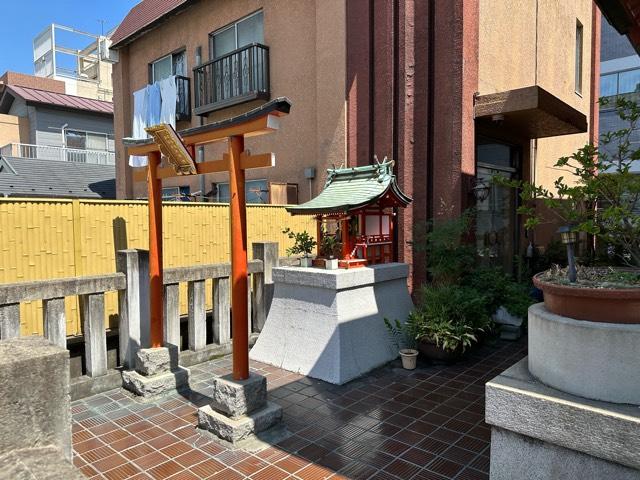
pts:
[42, 239]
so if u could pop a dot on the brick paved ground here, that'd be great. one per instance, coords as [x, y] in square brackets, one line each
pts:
[392, 424]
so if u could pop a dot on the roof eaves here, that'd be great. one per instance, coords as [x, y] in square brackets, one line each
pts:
[123, 42]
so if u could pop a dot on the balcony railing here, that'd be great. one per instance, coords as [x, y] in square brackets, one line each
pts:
[48, 152]
[238, 77]
[183, 100]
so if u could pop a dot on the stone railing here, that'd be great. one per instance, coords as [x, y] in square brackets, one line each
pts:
[131, 283]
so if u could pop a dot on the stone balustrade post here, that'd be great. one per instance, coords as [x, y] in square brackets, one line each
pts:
[95, 338]
[267, 252]
[172, 315]
[55, 321]
[9, 321]
[221, 313]
[133, 303]
[197, 315]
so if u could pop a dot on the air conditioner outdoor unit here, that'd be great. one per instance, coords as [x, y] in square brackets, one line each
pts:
[106, 54]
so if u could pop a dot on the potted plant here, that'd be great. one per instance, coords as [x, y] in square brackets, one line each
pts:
[330, 249]
[303, 244]
[404, 338]
[448, 320]
[601, 199]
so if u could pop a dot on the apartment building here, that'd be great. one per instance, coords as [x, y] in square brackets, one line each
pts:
[455, 91]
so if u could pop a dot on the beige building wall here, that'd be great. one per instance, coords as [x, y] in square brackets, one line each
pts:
[529, 42]
[13, 129]
[307, 54]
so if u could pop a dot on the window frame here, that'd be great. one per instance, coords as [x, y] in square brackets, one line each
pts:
[86, 134]
[171, 55]
[579, 56]
[233, 25]
[247, 182]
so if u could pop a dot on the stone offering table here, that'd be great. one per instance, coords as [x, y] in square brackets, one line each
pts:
[328, 324]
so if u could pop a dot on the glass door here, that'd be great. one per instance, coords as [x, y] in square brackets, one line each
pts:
[496, 223]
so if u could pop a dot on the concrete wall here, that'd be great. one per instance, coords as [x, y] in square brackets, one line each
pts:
[307, 63]
[529, 42]
[13, 129]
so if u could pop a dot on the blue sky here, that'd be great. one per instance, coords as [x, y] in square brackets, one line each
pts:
[24, 19]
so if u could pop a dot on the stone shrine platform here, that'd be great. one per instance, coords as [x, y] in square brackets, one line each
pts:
[329, 324]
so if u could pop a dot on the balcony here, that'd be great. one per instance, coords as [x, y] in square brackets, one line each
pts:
[183, 98]
[238, 77]
[64, 154]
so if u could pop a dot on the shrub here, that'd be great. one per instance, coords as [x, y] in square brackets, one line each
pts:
[303, 242]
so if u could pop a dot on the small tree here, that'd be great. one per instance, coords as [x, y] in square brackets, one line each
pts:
[601, 196]
[303, 243]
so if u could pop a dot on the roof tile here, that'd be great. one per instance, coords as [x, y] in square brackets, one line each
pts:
[62, 99]
[142, 15]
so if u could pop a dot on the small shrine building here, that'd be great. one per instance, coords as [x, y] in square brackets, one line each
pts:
[355, 214]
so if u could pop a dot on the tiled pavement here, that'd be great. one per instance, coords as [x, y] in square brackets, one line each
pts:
[427, 424]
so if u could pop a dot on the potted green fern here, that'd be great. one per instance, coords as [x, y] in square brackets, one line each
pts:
[404, 339]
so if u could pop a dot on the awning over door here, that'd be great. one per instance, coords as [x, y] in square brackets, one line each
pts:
[530, 112]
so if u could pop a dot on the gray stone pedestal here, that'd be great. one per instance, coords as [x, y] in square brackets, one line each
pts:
[157, 371]
[239, 409]
[329, 324]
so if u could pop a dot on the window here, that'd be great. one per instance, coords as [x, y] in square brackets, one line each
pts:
[629, 81]
[609, 85]
[579, 48]
[619, 83]
[256, 191]
[172, 64]
[82, 140]
[239, 34]
[176, 194]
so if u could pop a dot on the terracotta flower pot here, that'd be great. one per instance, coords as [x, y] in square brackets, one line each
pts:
[608, 305]
[438, 354]
[409, 358]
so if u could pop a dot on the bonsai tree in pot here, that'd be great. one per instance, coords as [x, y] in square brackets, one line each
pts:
[303, 244]
[330, 248]
[600, 198]
[404, 339]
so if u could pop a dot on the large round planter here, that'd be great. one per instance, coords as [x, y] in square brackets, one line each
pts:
[621, 305]
[438, 354]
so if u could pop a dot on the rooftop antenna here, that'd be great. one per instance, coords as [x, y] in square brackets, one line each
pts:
[101, 21]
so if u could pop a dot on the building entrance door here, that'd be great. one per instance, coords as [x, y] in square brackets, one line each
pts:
[496, 223]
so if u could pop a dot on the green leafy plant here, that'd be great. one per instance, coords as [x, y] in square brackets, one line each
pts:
[303, 242]
[443, 241]
[500, 290]
[403, 336]
[330, 246]
[601, 194]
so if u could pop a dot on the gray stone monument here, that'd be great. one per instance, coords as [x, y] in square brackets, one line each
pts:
[239, 409]
[157, 371]
[328, 324]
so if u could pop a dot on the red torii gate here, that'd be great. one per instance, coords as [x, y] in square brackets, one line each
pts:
[179, 149]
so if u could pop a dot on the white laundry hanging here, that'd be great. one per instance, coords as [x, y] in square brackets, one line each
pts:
[168, 93]
[139, 124]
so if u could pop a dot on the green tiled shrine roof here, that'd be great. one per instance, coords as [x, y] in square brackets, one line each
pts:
[349, 189]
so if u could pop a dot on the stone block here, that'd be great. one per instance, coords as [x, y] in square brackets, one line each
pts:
[239, 397]
[37, 464]
[515, 456]
[151, 361]
[156, 384]
[518, 403]
[35, 405]
[509, 332]
[236, 429]
[328, 324]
